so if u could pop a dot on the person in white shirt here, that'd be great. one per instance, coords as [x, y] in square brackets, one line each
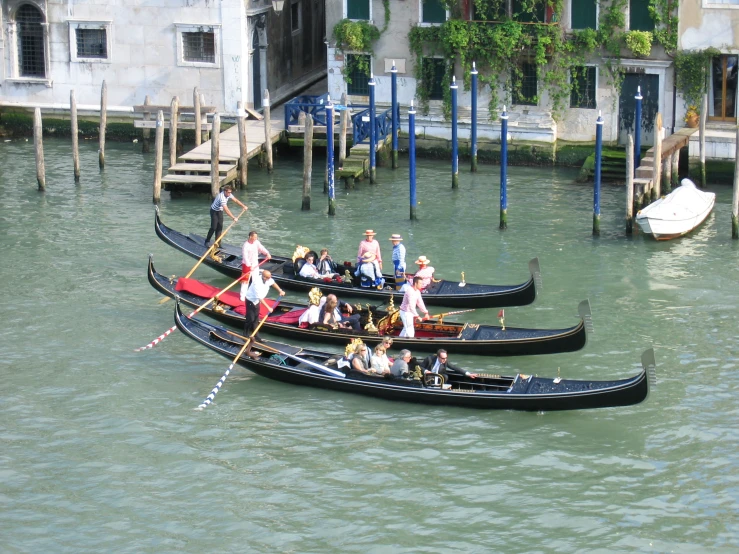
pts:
[309, 269]
[255, 293]
[312, 314]
[408, 314]
[250, 255]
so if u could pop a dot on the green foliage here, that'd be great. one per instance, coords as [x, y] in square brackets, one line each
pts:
[692, 72]
[639, 42]
[664, 14]
[355, 36]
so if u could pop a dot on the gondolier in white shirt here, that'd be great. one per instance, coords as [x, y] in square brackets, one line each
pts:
[250, 255]
[408, 314]
[217, 208]
[254, 295]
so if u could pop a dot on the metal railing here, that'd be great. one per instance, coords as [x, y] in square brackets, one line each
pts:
[314, 106]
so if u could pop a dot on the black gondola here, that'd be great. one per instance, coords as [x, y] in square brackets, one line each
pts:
[463, 338]
[303, 366]
[227, 260]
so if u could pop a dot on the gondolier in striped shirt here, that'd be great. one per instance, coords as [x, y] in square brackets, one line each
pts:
[217, 208]
[408, 314]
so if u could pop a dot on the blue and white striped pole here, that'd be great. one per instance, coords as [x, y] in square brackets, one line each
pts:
[396, 112]
[330, 157]
[473, 115]
[504, 169]
[637, 129]
[412, 157]
[598, 161]
[455, 146]
[373, 134]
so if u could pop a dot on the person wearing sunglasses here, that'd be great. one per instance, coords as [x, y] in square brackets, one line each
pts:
[439, 363]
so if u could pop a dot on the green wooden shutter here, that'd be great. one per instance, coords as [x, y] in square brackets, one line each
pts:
[639, 18]
[583, 14]
[433, 11]
[358, 9]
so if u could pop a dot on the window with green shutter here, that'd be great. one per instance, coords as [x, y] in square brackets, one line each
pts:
[584, 14]
[358, 9]
[639, 18]
[582, 94]
[433, 11]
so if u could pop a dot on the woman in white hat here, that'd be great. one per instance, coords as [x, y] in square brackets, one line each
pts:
[369, 244]
[425, 272]
[369, 272]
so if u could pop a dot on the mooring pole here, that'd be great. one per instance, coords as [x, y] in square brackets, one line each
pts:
[455, 140]
[412, 157]
[307, 121]
[473, 115]
[330, 157]
[38, 144]
[396, 112]
[702, 138]
[198, 123]
[146, 132]
[630, 185]
[215, 154]
[158, 154]
[75, 136]
[174, 108]
[343, 124]
[637, 129]
[243, 147]
[373, 131]
[657, 164]
[504, 169]
[103, 123]
[735, 197]
[267, 130]
[598, 162]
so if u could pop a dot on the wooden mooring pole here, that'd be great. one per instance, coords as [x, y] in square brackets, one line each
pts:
[173, 110]
[158, 153]
[702, 138]
[735, 198]
[75, 135]
[243, 159]
[198, 125]
[657, 163]
[146, 132]
[103, 123]
[206, 133]
[267, 130]
[307, 158]
[675, 161]
[630, 185]
[38, 144]
[343, 124]
[215, 175]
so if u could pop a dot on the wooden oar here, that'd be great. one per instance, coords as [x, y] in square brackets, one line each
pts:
[437, 316]
[212, 246]
[219, 384]
[164, 335]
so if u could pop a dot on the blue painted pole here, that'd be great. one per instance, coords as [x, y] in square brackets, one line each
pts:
[396, 112]
[598, 161]
[637, 129]
[504, 170]
[412, 157]
[455, 139]
[473, 130]
[373, 133]
[330, 157]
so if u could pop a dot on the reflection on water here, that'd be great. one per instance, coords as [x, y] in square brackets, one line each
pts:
[102, 451]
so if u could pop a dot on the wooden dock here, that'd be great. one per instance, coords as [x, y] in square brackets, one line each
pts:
[670, 156]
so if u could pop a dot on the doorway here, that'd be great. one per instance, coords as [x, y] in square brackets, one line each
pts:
[649, 84]
[722, 96]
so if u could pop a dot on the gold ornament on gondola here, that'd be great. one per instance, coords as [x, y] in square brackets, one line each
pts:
[347, 277]
[219, 306]
[370, 327]
[314, 296]
[353, 346]
[300, 252]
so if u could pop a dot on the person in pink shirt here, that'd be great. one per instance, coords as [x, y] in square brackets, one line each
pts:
[250, 255]
[425, 272]
[369, 244]
[408, 314]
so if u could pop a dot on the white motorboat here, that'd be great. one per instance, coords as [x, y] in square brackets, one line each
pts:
[678, 213]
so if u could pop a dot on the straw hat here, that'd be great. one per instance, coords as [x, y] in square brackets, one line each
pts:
[423, 260]
[396, 237]
[370, 232]
[368, 257]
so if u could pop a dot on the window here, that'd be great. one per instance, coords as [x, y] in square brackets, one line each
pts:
[357, 81]
[433, 11]
[358, 9]
[90, 41]
[639, 18]
[31, 56]
[526, 13]
[584, 14]
[295, 17]
[525, 91]
[582, 94]
[493, 11]
[198, 45]
[434, 70]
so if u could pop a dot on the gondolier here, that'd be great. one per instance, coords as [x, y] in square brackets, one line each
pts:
[408, 314]
[217, 208]
[250, 255]
[255, 294]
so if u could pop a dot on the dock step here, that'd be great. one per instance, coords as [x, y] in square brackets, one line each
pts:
[192, 168]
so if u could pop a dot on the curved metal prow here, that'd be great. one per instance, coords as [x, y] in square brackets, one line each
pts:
[586, 315]
[650, 366]
[536, 273]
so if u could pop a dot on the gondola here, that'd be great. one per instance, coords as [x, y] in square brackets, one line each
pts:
[304, 366]
[463, 338]
[227, 260]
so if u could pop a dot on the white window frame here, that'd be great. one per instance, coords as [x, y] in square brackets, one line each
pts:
[717, 6]
[597, 77]
[198, 28]
[420, 16]
[75, 24]
[345, 11]
[597, 17]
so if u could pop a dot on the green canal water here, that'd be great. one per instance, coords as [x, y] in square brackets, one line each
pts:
[102, 451]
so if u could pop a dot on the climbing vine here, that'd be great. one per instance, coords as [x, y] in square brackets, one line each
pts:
[358, 36]
[692, 72]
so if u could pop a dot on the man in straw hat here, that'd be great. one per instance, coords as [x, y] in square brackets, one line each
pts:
[398, 260]
[369, 244]
[425, 272]
[369, 272]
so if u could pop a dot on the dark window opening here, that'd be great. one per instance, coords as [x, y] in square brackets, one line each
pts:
[357, 82]
[31, 60]
[526, 13]
[199, 47]
[582, 94]
[295, 16]
[92, 43]
[434, 11]
[525, 91]
[434, 70]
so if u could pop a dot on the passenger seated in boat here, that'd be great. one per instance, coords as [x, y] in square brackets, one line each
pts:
[331, 314]
[326, 266]
[309, 269]
[440, 364]
[313, 313]
[379, 362]
[360, 360]
[400, 368]
[369, 272]
[425, 272]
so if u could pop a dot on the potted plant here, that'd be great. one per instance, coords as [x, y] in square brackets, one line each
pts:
[691, 117]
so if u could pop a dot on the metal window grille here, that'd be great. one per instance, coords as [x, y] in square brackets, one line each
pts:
[359, 75]
[92, 43]
[525, 85]
[199, 47]
[434, 70]
[31, 60]
[583, 88]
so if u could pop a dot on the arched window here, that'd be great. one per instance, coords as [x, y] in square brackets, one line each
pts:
[31, 62]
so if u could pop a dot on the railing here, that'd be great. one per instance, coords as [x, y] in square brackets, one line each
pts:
[383, 122]
[314, 106]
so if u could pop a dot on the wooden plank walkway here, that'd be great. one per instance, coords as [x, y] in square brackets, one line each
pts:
[193, 170]
[670, 146]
